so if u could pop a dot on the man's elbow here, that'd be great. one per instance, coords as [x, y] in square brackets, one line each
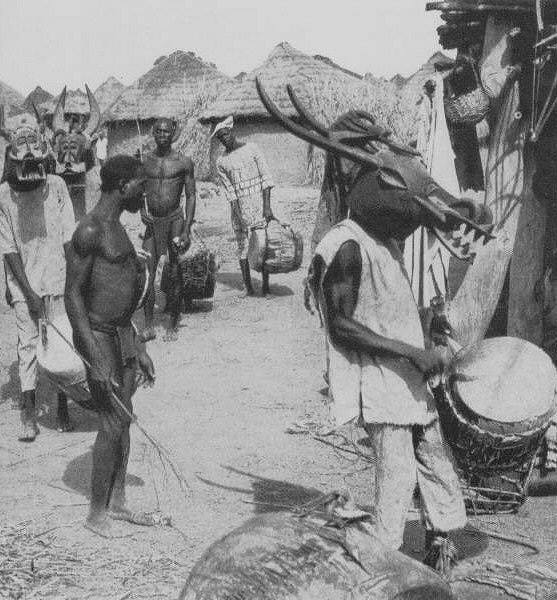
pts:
[339, 331]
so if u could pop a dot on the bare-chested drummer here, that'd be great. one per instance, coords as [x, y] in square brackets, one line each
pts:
[105, 284]
[169, 173]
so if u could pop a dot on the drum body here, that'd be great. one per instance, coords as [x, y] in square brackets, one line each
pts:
[495, 406]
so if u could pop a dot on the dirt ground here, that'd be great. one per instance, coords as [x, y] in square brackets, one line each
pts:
[241, 372]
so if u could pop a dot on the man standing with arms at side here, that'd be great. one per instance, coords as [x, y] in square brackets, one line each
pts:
[246, 182]
[36, 225]
[105, 284]
[167, 229]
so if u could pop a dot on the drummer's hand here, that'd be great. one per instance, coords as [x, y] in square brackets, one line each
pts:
[146, 372]
[429, 362]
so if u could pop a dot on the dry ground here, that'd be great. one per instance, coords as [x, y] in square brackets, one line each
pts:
[242, 370]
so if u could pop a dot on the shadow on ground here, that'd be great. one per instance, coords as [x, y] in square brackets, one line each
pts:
[77, 475]
[269, 495]
[234, 280]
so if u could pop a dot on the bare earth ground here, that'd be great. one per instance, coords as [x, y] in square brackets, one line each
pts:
[241, 372]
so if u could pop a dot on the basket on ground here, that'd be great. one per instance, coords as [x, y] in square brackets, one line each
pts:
[198, 270]
[275, 246]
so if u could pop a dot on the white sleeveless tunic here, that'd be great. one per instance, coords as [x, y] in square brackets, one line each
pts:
[377, 388]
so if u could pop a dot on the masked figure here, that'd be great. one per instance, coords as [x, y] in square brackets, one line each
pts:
[36, 223]
[73, 151]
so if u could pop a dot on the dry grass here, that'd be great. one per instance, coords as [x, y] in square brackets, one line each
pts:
[330, 100]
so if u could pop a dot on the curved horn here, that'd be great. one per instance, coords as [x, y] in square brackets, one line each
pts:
[333, 146]
[94, 113]
[58, 122]
[3, 131]
[304, 113]
[342, 135]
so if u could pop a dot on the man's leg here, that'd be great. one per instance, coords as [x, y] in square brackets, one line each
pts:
[265, 291]
[240, 228]
[149, 246]
[442, 502]
[395, 476]
[27, 338]
[175, 296]
[107, 450]
[63, 421]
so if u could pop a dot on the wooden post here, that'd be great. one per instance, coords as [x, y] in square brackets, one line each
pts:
[472, 309]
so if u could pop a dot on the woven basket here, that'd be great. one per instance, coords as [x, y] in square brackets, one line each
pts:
[198, 270]
[470, 107]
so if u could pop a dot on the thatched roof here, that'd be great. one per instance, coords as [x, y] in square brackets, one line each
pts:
[107, 92]
[76, 103]
[36, 97]
[10, 97]
[170, 89]
[284, 65]
[412, 88]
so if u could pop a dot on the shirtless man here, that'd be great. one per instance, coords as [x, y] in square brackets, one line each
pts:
[167, 230]
[105, 283]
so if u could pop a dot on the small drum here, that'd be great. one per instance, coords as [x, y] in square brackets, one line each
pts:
[495, 407]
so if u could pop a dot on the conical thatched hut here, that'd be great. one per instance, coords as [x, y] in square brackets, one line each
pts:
[177, 86]
[108, 92]
[36, 97]
[310, 76]
[10, 98]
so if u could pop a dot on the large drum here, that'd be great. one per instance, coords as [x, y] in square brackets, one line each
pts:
[495, 407]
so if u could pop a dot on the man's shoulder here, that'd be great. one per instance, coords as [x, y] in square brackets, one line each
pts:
[86, 233]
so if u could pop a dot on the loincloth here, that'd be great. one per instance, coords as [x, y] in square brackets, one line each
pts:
[160, 228]
[124, 336]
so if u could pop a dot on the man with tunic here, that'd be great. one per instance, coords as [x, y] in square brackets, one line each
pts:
[379, 365]
[246, 183]
[105, 284]
[167, 229]
[36, 225]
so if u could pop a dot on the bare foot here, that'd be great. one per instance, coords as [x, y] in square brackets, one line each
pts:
[100, 525]
[147, 519]
[147, 334]
[29, 432]
[64, 423]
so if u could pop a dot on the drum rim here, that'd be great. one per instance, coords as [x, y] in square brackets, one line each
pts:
[503, 429]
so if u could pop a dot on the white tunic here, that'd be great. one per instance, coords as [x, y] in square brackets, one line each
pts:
[378, 388]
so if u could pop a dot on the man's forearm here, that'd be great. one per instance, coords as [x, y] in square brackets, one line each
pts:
[190, 201]
[77, 315]
[15, 264]
[354, 336]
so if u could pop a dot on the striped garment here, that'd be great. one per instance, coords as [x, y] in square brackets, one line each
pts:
[243, 175]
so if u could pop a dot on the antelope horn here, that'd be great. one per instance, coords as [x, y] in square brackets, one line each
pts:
[3, 131]
[380, 132]
[354, 154]
[58, 122]
[305, 114]
[94, 113]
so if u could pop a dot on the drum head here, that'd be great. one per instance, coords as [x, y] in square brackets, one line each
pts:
[505, 379]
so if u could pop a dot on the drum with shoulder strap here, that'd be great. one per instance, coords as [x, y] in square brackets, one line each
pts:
[496, 404]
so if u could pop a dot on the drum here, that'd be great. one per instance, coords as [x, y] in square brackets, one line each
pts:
[495, 406]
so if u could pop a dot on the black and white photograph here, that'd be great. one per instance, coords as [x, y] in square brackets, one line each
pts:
[278, 301]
